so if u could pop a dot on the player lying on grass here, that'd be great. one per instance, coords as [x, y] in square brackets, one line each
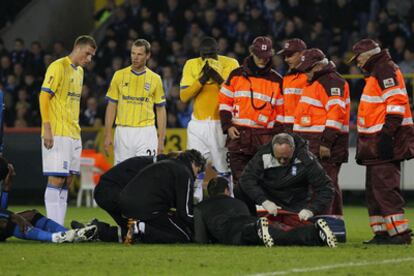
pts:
[30, 224]
[226, 220]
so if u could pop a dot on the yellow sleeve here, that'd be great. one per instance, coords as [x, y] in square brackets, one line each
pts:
[189, 76]
[113, 90]
[190, 91]
[189, 85]
[44, 99]
[159, 94]
[53, 78]
[231, 64]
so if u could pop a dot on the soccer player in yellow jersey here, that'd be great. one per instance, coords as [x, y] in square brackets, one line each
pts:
[201, 82]
[59, 107]
[133, 92]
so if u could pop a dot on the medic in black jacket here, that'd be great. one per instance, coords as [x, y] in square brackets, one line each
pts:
[160, 198]
[112, 182]
[281, 176]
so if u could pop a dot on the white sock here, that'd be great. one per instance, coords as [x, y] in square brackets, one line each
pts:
[198, 188]
[52, 203]
[229, 178]
[56, 237]
[63, 204]
[141, 227]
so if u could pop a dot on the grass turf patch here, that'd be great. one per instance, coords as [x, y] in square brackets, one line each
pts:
[20, 257]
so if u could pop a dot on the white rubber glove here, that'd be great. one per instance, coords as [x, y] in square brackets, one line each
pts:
[271, 207]
[305, 214]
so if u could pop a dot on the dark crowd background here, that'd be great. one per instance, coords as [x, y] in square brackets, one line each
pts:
[175, 28]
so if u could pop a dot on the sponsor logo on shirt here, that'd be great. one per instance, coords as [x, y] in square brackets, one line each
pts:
[74, 95]
[388, 82]
[135, 99]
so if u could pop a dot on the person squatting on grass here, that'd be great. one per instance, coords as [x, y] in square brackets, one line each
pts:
[285, 175]
[159, 200]
[30, 224]
[108, 190]
[226, 220]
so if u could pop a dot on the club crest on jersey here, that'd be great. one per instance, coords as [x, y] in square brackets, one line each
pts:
[147, 86]
[294, 170]
[335, 91]
[388, 82]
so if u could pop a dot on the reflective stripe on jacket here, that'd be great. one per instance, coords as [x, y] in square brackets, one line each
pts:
[293, 84]
[384, 109]
[254, 100]
[323, 112]
[381, 97]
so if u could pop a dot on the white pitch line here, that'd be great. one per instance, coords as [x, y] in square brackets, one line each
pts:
[333, 266]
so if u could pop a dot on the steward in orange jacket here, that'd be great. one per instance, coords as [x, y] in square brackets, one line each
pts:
[385, 138]
[100, 161]
[251, 107]
[322, 117]
[294, 81]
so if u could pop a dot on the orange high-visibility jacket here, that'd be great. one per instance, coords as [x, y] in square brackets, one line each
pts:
[382, 96]
[325, 103]
[384, 108]
[323, 111]
[254, 100]
[293, 84]
[100, 162]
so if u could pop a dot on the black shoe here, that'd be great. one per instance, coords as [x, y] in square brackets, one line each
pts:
[325, 233]
[379, 238]
[74, 224]
[403, 238]
[263, 232]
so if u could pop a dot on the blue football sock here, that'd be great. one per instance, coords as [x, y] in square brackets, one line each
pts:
[32, 233]
[49, 225]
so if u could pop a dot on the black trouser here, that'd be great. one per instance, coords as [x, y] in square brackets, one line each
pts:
[305, 235]
[106, 195]
[108, 233]
[166, 228]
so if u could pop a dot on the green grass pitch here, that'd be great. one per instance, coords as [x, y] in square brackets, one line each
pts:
[19, 257]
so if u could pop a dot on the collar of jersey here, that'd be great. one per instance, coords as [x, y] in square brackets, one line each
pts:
[71, 64]
[138, 73]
